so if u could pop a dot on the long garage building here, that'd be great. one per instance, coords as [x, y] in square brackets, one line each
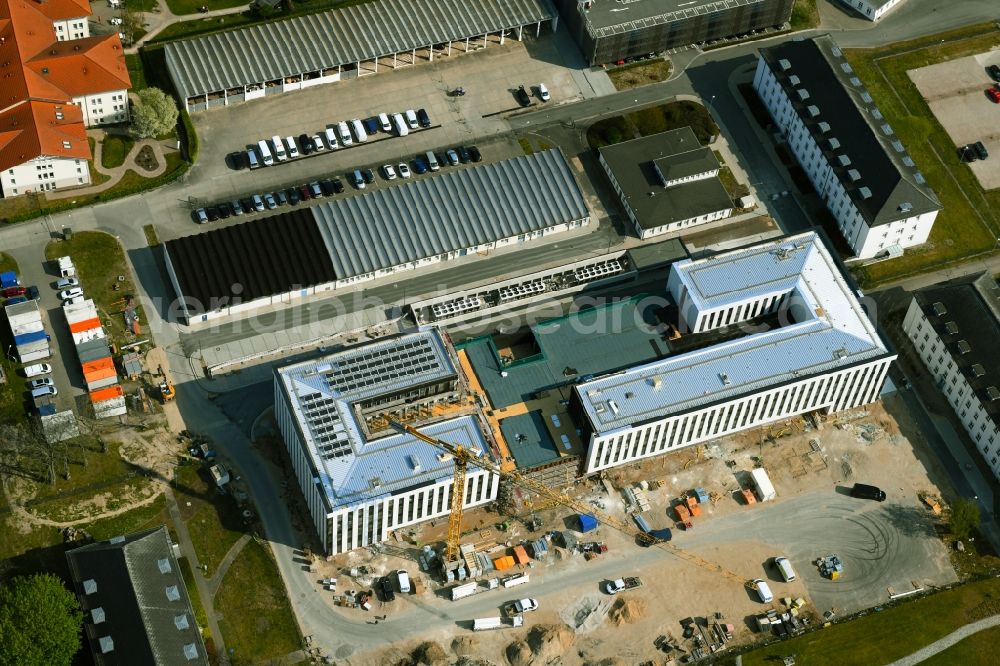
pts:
[335, 244]
[280, 56]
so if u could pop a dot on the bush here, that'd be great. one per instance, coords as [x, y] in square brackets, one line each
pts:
[964, 518]
[154, 114]
[190, 138]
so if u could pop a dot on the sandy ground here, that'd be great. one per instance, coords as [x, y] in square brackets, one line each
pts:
[886, 547]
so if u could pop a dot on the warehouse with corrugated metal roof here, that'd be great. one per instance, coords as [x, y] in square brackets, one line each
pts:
[338, 243]
[301, 52]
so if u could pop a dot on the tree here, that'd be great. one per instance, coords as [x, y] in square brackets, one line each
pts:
[154, 114]
[964, 518]
[40, 622]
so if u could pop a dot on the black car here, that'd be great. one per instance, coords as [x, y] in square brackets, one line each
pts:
[388, 594]
[224, 211]
[212, 212]
[994, 72]
[306, 144]
[522, 96]
[338, 186]
[327, 186]
[282, 197]
[981, 151]
[423, 118]
[368, 175]
[463, 154]
[247, 204]
[475, 155]
[293, 196]
[32, 293]
[967, 153]
[442, 158]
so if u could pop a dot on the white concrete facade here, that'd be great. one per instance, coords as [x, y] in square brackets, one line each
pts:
[865, 240]
[44, 174]
[954, 383]
[678, 225]
[872, 10]
[104, 108]
[74, 28]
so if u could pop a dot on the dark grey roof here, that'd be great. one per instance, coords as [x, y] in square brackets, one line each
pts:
[970, 315]
[528, 439]
[462, 209]
[637, 165]
[141, 597]
[605, 18]
[650, 254]
[272, 255]
[890, 187]
[273, 50]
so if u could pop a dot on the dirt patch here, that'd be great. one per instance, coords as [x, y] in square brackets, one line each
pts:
[586, 614]
[146, 159]
[627, 610]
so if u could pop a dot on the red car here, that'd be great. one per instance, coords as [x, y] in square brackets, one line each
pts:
[994, 95]
[11, 292]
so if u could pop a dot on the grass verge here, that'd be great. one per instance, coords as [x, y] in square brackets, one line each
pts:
[152, 240]
[805, 15]
[114, 149]
[213, 519]
[883, 637]
[257, 621]
[969, 222]
[653, 120]
[525, 145]
[976, 650]
[200, 616]
[104, 276]
[640, 73]
[180, 7]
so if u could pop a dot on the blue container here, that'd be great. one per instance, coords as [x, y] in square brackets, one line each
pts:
[641, 522]
[587, 522]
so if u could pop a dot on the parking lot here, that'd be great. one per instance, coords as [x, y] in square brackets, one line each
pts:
[956, 93]
[886, 548]
[489, 77]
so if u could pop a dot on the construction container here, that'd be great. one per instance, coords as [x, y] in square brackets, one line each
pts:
[503, 563]
[93, 350]
[28, 338]
[641, 522]
[748, 496]
[539, 548]
[762, 483]
[521, 555]
[587, 522]
[683, 515]
[100, 373]
[702, 495]
[693, 507]
[108, 402]
[84, 325]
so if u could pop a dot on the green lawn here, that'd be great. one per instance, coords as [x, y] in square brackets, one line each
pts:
[100, 262]
[653, 120]
[969, 222]
[804, 15]
[257, 621]
[142, 5]
[976, 650]
[883, 637]
[640, 73]
[180, 7]
[213, 520]
[114, 149]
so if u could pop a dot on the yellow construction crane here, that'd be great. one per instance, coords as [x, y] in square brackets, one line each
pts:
[463, 456]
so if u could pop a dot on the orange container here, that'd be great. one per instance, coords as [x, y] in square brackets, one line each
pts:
[503, 563]
[108, 393]
[85, 325]
[99, 369]
[683, 514]
[521, 555]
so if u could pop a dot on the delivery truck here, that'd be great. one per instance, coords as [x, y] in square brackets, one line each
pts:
[762, 484]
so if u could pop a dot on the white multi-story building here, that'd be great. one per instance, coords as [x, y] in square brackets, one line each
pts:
[57, 80]
[361, 486]
[872, 10]
[667, 182]
[858, 166]
[807, 345]
[954, 328]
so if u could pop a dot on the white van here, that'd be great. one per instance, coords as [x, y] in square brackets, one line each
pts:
[785, 568]
[252, 160]
[293, 150]
[383, 120]
[43, 391]
[432, 161]
[763, 591]
[411, 119]
[359, 130]
[345, 133]
[404, 581]
[279, 148]
[331, 138]
[400, 124]
[265, 153]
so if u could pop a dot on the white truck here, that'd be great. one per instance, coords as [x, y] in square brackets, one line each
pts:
[762, 484]
[522, 606]
[488, 623]
[622, 584]
[515, 580]
[463, 591]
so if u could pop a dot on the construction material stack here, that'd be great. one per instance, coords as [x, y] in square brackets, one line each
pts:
[96, 362]
[30, 338]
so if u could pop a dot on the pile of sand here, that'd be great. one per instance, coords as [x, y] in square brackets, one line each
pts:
[627, 610]
[545, 642]
[427, 653]
[465, 646]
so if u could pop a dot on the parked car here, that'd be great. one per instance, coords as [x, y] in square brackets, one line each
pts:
[463, 154]
[994, 72]
[212, 212]
[388, 594]
[404, 581]
[315, 189]
[269, 201]
[247, 204]
[522, 96]
[305, 192]
[419, 165]
[293, 196]
[282, 198]
[293, 150]
[404, 171]
[338, 186]
[475, 155]
[201, 216]
[358, 179]
[331, 138]
[43, 391]
[543, 92]
[258, 203]
[236, 207]
[763, 591]
[452, 157]
[11, 292]
[224, 211]
[37, 370]
[384, 122]
[525, 605]
[327, 185]
[70, 293]
[32, 293]
[411, 118]
[981, 151]
[369, 175]
[967, 153]
[423, 118]
[317, 143]
[388, 172]
[40, 382]
[306, 143]
[372, 125]
[994, 95]
[442, 159]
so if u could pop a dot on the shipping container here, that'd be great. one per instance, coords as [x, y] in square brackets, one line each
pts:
[463, 591]
[587, 522]
[520, 555]
[27, 327]
[84, 325]
[503, 563]
[35, 355]
[109, 393]
[762, 483]
[514, 581]
[28, 338]
[99, 369]
[641, 522]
